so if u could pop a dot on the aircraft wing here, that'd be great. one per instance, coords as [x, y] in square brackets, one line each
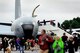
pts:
[6, 24]
[5, 29]
[46, 21]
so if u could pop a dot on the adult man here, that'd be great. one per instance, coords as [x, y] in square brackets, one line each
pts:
[71, 45]
[18, 44]
[43, 42]
[22, 44]
[75, 42]
[64, 39]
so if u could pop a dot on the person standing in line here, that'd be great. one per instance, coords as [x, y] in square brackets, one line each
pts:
[32, 41]
[50, 45]
[28, 44]
[18, 44]
[12, 42]
[43, 42]
[75, 42]
[22, 44]
[5, 44]
[58, 45]
[71, 45]
[64, 39]
[8, 49]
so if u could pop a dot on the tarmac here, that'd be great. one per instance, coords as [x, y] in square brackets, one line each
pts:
[35, 51]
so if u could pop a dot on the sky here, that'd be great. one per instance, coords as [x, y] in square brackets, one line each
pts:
[58, 10]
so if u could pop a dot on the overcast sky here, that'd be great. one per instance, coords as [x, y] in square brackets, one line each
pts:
[59, 10]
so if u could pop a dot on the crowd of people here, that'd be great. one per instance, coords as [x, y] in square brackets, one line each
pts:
[45, 43]
[18, 44]
[56, 44]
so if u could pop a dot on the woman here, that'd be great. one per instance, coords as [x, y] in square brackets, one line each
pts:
[58, 45]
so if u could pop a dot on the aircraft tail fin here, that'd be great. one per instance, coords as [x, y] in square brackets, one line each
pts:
[17, 9]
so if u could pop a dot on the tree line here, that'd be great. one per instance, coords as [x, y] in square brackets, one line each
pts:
[74, 23]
